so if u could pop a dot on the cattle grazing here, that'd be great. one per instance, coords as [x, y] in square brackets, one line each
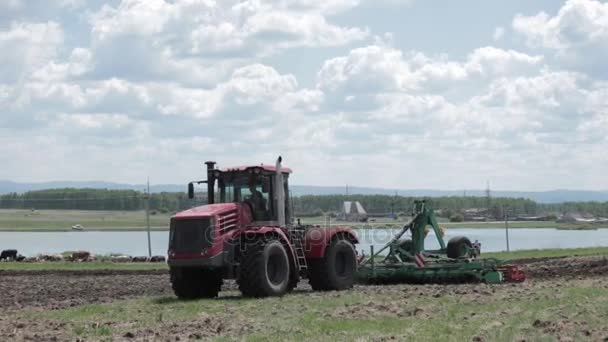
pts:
[121, 258]
[140, 259]
[80, 256]
[8, 254]
[157, 258]
[48, 257]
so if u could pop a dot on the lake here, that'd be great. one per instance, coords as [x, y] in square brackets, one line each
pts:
[135, 243]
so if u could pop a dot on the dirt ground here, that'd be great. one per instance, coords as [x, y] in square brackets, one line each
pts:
[41, 291]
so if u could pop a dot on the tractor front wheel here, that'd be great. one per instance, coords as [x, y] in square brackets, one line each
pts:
[336, 270]
[194, 283]
[459, 247]
[264, 269]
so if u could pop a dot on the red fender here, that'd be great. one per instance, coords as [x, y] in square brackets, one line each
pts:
[317, 239]
[261, 231]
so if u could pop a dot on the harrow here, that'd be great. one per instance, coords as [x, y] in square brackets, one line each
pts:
[408, 261]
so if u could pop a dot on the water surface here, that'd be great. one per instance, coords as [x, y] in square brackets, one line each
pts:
[135, 243]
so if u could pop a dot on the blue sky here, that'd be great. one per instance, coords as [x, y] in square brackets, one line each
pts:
[389, 93]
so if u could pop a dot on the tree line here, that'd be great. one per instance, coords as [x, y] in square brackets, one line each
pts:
[399, 205]
[95, 199]
[308, 205]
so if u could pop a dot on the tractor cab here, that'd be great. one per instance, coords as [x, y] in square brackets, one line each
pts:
[262, 189]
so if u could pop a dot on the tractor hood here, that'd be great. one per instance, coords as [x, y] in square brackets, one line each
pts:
[206, 210]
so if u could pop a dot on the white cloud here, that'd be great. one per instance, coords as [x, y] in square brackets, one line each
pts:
[138, 83]
[79, 63]
[379, 68]
[366, 70]
[27, 46]
[578, 23]
[201, 42]
[229, 27]
[578, 34]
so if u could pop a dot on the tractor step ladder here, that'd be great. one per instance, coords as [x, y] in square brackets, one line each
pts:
[296, 235]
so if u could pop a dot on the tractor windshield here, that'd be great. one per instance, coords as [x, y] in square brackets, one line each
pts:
[253, 189]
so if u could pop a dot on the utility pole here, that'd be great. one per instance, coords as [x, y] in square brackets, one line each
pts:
[507, 227]
[488, 196]
[147, 197]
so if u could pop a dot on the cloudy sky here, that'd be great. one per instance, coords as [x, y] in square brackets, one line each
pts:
[385, 93]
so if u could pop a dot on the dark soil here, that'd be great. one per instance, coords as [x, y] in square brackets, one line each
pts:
[568, 268]
[54, 290]
[47, 290]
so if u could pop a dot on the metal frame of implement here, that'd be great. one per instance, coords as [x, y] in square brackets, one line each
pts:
[409, 262]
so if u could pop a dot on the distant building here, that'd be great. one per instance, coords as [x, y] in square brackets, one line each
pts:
[476, 214]
[574, 217]
[353, 211]
[532, 218]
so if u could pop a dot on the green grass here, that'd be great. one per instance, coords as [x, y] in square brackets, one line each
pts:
[547, 253]
[80, 266]
[63, 220]
[384, 313]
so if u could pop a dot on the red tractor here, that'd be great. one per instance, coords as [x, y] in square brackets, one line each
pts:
[247, 232]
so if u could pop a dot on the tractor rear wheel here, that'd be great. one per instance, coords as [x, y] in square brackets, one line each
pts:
[459, 247]
[336, 270]
[264, 269]
[193, 283]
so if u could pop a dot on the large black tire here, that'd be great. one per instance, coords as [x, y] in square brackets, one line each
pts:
[264, 270]
[194, 283]
[336, 270]
[459, 247]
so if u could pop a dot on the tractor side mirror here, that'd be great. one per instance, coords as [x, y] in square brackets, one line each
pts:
[190, 190]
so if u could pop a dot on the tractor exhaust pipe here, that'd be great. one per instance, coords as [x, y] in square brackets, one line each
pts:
[210, 182]
[280, 193]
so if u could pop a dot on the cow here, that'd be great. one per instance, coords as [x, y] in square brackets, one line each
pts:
[49, 257]
[140, 259]
[121, 258]
[8, 254]
[157, 258]
[80, 256]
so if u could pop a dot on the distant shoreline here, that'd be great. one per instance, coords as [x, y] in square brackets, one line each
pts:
[356, 226]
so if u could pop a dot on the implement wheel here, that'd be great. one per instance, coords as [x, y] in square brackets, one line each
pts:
[264, 270]
[459, 247]
[408, 246]
[194, 283]
[336, 270]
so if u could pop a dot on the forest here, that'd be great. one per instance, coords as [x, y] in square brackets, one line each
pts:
[308, 205]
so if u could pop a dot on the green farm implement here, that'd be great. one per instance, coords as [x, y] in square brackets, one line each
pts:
[408, 261]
